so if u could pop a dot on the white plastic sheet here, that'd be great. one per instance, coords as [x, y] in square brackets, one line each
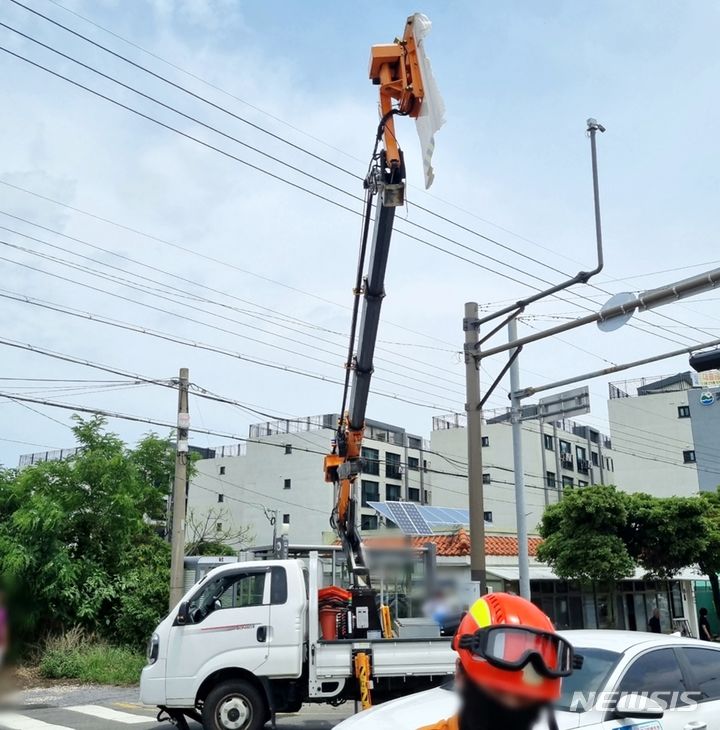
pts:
[432, 112]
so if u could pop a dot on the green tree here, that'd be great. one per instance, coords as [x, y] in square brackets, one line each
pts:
[583, 535]
[665, 535]
[78, 537]
[709, 559]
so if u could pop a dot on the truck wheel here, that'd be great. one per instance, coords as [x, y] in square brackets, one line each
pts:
[234, 705]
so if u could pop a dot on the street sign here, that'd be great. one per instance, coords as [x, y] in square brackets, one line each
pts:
[615, 323]
[566, 404]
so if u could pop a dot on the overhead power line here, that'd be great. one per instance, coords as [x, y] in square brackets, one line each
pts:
[14, 296]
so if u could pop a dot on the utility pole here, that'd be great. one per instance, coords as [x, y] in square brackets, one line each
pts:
[473, 409]
[178, 515]
[515, 420]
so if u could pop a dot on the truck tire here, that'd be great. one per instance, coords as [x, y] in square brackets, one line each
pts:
[234, 705]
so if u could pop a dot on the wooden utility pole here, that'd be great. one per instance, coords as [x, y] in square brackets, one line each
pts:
[178, 502]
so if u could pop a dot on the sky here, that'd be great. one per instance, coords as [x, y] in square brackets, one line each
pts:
[252, 252]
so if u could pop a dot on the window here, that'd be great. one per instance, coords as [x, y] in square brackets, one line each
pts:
[392, 465]
[689, 457]
[581, 453]
[413, 463]
[288, 448]
[228, 591]
[487, 479]
[414, 442]
[594, 458]
[487, 516]
[392, 492]
[485, 440]
[683, 411]
[221, 497]
[222, 470]
[705, 665]
[369, 522]
[425, 464]
[581, 483]
[549, 442]
[656, 671]
[218, 526]
[567, 481]
[278, 586]
[370, 492]
[414, 494]
[550, 479]
[426, 497]
[287, 484]
[371, 459]
[597, 665]
[565, 447]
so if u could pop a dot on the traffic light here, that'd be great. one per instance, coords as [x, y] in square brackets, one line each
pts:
[703, 361]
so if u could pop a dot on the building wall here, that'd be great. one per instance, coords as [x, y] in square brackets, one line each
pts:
[499, 494]
[257, 480]
[705, 423]
[649, 439]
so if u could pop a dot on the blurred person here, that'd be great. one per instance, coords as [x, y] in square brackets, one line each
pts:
[705, 632]
[509, 668]
[654, 622]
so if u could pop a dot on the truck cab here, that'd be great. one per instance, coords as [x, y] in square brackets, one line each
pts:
[240, 623]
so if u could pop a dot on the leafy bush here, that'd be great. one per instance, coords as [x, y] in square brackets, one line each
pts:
[78, 542]
[75, 655]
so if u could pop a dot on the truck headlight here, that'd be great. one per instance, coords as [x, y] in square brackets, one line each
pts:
[153, 649]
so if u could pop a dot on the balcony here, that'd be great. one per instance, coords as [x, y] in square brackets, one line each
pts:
[566, 460]
[583, 466]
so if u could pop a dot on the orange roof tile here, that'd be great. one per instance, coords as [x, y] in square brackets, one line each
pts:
[456, 544]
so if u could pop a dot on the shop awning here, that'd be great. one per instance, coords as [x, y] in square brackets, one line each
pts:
[543, 572]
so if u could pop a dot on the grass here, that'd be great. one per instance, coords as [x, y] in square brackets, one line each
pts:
[76, 655]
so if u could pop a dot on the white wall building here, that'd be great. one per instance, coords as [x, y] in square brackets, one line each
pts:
[281, 471]
[665, 432]
[565, 454]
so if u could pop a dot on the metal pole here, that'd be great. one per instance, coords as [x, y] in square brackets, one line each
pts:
[177, 558]
[543, 458]
[643, 302]
[556, 450]
[520, 514]
[527, 392]
[474, 442]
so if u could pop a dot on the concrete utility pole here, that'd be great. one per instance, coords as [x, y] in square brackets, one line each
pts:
[473, 409]
[520, 514]
[178, 513]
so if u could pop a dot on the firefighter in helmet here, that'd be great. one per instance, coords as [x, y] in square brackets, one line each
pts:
[510, 665]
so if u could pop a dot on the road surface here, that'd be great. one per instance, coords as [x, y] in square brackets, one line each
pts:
[109, 708]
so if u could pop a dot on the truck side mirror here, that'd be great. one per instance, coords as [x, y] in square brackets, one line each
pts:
[182, 614]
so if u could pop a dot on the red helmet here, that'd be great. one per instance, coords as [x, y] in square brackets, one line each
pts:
[507, 643]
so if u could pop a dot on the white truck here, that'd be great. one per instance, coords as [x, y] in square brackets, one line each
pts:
[244, 643]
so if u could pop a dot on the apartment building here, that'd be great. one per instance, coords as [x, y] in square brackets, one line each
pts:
[665, 431]
[279, 472]
[557, 455]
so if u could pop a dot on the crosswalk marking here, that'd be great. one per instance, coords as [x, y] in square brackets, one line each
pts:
[106, 713]
[13, 721]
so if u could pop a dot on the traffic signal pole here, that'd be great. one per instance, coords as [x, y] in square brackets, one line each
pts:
[519, 471]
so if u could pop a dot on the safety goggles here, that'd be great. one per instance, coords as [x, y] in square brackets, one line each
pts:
[513, 647]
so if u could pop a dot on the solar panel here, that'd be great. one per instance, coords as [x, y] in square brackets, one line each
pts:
[415, 519]
[382, 509]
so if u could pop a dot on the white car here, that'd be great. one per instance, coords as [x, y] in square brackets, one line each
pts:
[628, 680]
